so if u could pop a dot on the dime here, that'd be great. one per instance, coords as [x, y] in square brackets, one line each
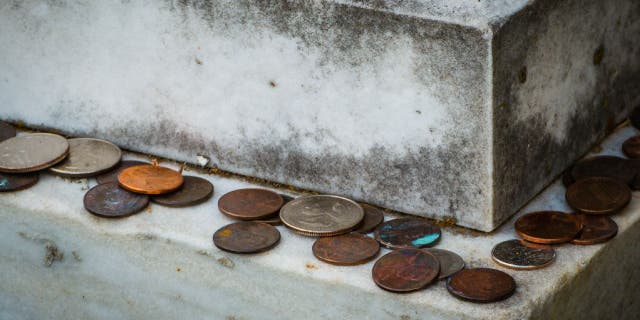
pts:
[405, 270]
[548, 227]
[246, 237]
[450, 262]
[15, 182]
[112, 175]
[250, 204]
[194, 190]
[631, 147]
[481, 285]
[635, 117]
[32, 152]
[321, 215]
[108, 200]
[598, 195]
[407, 233]
[150, 179]
[596, 229]
[523, 255]
[88, 157]
[347, 249]
[6, 131]
[372, 218]
[604, 166]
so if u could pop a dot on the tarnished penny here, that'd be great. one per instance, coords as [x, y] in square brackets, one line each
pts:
[194, 190]
[15, 182]
[246, 237]
[481, 285]
[6, 131]
[598, 195]
[405, 270]
[321, 215]
[88, 157]
[32, 152]
[372, 218]
[108, 200]
[631, 147]
[250, 204]
[407, 233]
[595, 229]
[150, 179]
[604, 166]
[523, 255]
[112, 175]
[450, 262]
[347, 249]
[548, 227]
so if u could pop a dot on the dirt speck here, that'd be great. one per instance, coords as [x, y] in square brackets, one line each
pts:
[76, 256]
[226, 262]
[311, 266]
[273, 84]
[52, 254]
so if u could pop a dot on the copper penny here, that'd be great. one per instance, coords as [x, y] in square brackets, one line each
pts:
[150, 179]
[450, 262]
[15, 182]
[631, 147]
[6, 131]
[523, 255]
[598, 195]
[405, 270]
[112, 176]
[596, 229]
[548, 227]
[604, 166]
[32, 152]
[108, 200]
[250, 204]
[635, 117]
[246, 237]
[346, 250]
[407, 233]
[194, 191]
[372, 218]
[481, 285]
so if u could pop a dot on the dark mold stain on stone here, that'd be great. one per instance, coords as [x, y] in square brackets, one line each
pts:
[522, 74]
[598, 55]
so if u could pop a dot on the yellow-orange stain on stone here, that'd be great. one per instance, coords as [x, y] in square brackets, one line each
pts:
[225, 233]
[311, 266]
[178, 269]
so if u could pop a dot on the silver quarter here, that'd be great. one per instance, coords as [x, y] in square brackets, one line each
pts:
[321, 215]
[522, 255]
[88, 157]
[450, 262]
[32, 152]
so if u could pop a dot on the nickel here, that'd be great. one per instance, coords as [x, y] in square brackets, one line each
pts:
[88, 157]
[372, 218]
[450, 262]
[32, 152]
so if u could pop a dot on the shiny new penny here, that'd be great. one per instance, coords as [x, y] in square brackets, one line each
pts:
[321, 215]
[523, 255]
[481, 285]
[150, 179]
[604, 166]
[194, 190]
[108, 200]
[598, 195]
[405, 270]
[250, 204]
[15, 182]
[112, 175]
[548, 227]
[407, 233]
[32, 152]
[88, 157]
[631, 147]
[372, 218]
[595, 229]
[347, 249]
[246, 237]
[450, 262]
[6, 131]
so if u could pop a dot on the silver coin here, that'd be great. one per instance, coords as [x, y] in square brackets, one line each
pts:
[88, 157]
[450, 262]
[321, 215]
[32, 152]
[523, 255]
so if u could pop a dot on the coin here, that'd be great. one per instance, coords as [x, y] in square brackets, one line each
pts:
[372, 218]
[598, 195]
[88, 157]
[32, 152]
[194, 190]
[15, 182]
[450, 262]
[604, 166]
[108, 200]
[405, 270]
[321, 215]
[481, 285]
[522, 255]
[347, 249]
[246, 237]
[150, 179]
[635, 117]
[6, 131]
[631, 147]
[273, 220]
[250, 204]
[596, 229]
[407, 233]
[548, 227]
[112, 175]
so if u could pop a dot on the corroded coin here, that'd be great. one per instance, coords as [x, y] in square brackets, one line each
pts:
[596, 229]
[631, 147]
[250, 204]
[112, 175]
[372, 218]
[604, 166]
[481, 285]
[598, 195]
[246, 237]
[108, 200]
[321, 215]
[194, 190]
[88, 157]
[150, 179]
[450, 262]
[407, 233]
[405, 270]
[15, 182]
[548, 227]
[347, 249]
[32, 152]
[6, 131]
[523, 255]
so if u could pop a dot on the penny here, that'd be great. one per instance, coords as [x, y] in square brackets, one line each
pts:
[15, 182]
[548, 227]
[6, 131]
[405, 270]
[246, 237]
[108, 200]
[347, 249]
[32, 152]
[250, 204]
[372, 218]
[523, 255]
[631, 147]
[112, 175]
[481, 285]
[194, 190]
[596, 229]
[598, 195]
[635, 117]
[604, 166]
[321, 215]
[150, 179]
[88, 157]
[450, 262]
[407, 233]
